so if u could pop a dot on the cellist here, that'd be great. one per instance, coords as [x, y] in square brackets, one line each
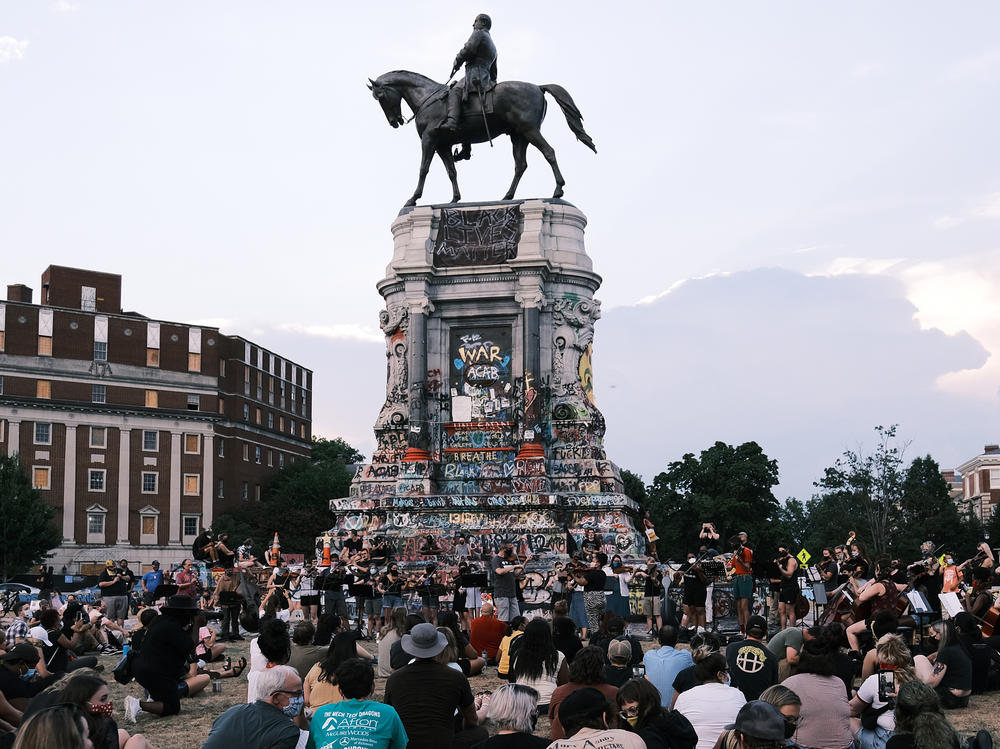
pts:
[880, 593]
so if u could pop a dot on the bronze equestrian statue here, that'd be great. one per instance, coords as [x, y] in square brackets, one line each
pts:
[518, 109]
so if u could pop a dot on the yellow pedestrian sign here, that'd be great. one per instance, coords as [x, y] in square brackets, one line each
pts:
[803, 557]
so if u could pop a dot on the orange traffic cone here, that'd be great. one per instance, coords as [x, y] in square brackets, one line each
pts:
[275, 550]
[326, 550]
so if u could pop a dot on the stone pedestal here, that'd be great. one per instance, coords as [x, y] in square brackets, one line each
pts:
[489, 428]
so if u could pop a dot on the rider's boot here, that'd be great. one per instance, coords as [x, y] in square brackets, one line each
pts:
[450, 123]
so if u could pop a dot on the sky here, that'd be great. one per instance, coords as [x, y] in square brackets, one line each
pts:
[794, 206]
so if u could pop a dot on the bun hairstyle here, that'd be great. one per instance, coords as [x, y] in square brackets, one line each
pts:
[707, 669]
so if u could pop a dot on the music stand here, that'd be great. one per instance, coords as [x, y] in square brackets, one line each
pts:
[473, 580]
[819, 598]
[921, 608]
[164, 590]
[363, 591]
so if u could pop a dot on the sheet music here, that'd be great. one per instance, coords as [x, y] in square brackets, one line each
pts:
[951, 604]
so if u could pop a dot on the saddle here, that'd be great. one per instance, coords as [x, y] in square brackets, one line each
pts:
[473, 107]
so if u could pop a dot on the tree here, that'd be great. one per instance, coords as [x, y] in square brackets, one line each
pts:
[868, 487]
[729, 486]
[635, 488]
[296, 502]
[26, 529]
[927, 511]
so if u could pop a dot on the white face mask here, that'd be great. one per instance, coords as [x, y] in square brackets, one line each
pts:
[690, 560]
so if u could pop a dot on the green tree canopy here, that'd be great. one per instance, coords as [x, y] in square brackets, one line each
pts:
[296, 502]
[726, 485]
[27, 532]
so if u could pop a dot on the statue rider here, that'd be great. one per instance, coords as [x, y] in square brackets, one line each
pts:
[480, 57]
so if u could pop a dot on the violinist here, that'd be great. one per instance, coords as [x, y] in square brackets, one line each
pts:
[927, 576]
[590, 546]
[828, 570]
[695, 583]
[390, 585]
[951, 574]
[788, 567]
[741, 565]
[858, 566]
[429, 599]
[618, 600]
[379, 551]
[979, 599]
[841, 556]
[652, 582]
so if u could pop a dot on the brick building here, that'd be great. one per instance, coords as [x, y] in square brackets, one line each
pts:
[981, 483]
[138, 431]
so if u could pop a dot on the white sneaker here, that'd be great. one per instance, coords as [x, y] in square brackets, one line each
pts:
[131, 708]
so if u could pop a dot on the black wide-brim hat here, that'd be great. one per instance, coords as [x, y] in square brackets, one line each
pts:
[180, 603]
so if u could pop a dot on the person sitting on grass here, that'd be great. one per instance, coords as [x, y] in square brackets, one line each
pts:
[586, 670]
[584, 717]
[62, 726]
[90, 694]
[267, 721]
[357, 720]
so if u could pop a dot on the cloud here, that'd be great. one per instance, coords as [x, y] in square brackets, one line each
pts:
[987, 208]
[64, 6]
[804, 365]
[349, 331]
[841, 266]
[11, 49]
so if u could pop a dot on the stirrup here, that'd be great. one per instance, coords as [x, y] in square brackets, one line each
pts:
[450, 125]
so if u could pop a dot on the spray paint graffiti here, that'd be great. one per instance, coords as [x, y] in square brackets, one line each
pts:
[480, 369]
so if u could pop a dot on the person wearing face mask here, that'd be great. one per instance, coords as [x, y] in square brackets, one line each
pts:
[951, 575]
[788, 566]
[620, 576]
[268, 721]
[712, 704]
[18, 629]
[640, 711]
[829, 570]
[90, 694]
[17, 669]
[759, 725]
[695, 592]
[357, 720]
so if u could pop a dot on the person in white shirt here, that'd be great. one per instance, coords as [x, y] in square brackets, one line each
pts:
[713, 704]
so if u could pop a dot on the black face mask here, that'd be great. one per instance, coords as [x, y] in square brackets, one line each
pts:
[790, 729]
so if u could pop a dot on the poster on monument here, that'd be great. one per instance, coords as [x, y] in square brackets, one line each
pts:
[486, 236]
[480, 370]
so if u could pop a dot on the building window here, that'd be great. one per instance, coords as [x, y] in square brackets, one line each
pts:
[220, 491]
[194, 362]
[246, 412]
[98, 436]
[99, 394]
[88, 298]
[244, 492]
[96, 479]
[281, 460]
[45, 345]
[3, 339]
[149, 483]
[256, 493]
[1, 376]
[193, 403]
[257, 416]
[270, 458]
[270, 420]
[150, 441]
[152, 399]
[302, 431]
[100, 350]
[256, 454]
[43, 389]
[43, 433]
[281, 423]
[95, 524]
[246, 451]
[41, 477]
[291, 424]
[222, 367]
[148, 522]
[221, 449]
[192, 444]
[152, 357]
[191, 484]
[222, 404]
[189, 526]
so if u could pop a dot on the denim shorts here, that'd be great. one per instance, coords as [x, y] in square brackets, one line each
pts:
[391, 601]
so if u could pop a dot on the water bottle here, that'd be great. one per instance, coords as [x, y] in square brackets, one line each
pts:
[485, 660]
[125, 650]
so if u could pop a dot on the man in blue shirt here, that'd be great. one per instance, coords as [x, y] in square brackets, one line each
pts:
[664, 663]
[357, 722]
[150, 582]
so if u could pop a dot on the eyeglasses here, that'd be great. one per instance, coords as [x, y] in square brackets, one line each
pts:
[299, 693]
[629, 712]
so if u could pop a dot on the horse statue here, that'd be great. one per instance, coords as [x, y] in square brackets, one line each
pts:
[518, 110]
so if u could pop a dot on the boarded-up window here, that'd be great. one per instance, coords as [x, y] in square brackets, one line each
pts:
[191, 484]
[192, 443]
[43, 389]
[40, 477]
[149, 525]
[152, 399]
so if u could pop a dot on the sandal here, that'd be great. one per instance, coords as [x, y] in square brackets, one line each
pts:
[238, 667]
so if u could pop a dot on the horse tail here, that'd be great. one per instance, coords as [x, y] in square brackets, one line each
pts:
[573, 117]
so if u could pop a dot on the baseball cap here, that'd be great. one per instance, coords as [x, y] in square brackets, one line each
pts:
[759, 624]
[23, 651]
[760, 720]
[620, 651]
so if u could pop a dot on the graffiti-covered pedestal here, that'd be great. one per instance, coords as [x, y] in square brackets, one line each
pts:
[489, 430]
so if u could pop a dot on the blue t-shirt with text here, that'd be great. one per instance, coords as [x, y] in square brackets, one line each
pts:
[356, 724]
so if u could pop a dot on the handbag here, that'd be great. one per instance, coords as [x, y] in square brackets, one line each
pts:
[123, 671]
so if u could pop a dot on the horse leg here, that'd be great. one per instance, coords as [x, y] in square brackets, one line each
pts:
[536, 139]
[520, 144]
[444, 152]
[426, 154]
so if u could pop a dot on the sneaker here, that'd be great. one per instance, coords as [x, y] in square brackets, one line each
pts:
[131, 708]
